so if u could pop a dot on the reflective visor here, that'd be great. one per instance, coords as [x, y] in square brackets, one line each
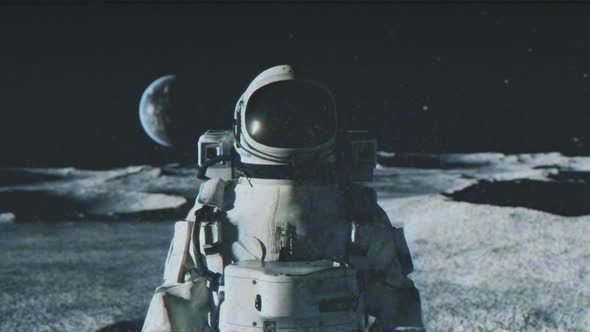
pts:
[290, 114]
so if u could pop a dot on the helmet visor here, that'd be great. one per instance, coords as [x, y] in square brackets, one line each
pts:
[291, 114]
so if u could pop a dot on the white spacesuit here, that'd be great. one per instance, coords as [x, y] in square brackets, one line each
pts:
[280, 237]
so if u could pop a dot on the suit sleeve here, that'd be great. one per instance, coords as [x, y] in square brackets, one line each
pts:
[182, 302]
[391, 296]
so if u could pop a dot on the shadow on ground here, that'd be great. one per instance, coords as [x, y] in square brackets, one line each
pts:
[427, 161]
[124, 326]
[567, 194]
[45, 205]
[12, 177]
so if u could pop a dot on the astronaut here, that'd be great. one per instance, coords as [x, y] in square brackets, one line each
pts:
[282, 236]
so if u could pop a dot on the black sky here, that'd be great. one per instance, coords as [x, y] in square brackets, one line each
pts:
[423, 77]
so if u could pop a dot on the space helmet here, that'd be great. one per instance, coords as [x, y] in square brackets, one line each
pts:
[281, 119]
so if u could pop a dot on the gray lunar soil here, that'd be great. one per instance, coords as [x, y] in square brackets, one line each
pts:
[499, 242]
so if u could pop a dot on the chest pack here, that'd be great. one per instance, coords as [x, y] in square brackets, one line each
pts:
[273, 296]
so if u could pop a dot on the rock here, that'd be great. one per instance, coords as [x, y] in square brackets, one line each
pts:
[7, 218]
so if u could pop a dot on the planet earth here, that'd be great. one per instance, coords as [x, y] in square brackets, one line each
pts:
[155, 110]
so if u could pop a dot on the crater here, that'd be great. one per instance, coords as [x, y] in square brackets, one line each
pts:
[45, 205]
[566, 195]
[36, 205]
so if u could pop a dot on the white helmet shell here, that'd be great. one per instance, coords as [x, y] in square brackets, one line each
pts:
[253, 151]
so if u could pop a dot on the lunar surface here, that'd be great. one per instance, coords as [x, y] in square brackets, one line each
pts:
[499, 242]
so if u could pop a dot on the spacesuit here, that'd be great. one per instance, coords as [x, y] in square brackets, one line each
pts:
[288, 205]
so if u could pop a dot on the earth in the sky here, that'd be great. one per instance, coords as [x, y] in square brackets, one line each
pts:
[155, 108]
[165, 111]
